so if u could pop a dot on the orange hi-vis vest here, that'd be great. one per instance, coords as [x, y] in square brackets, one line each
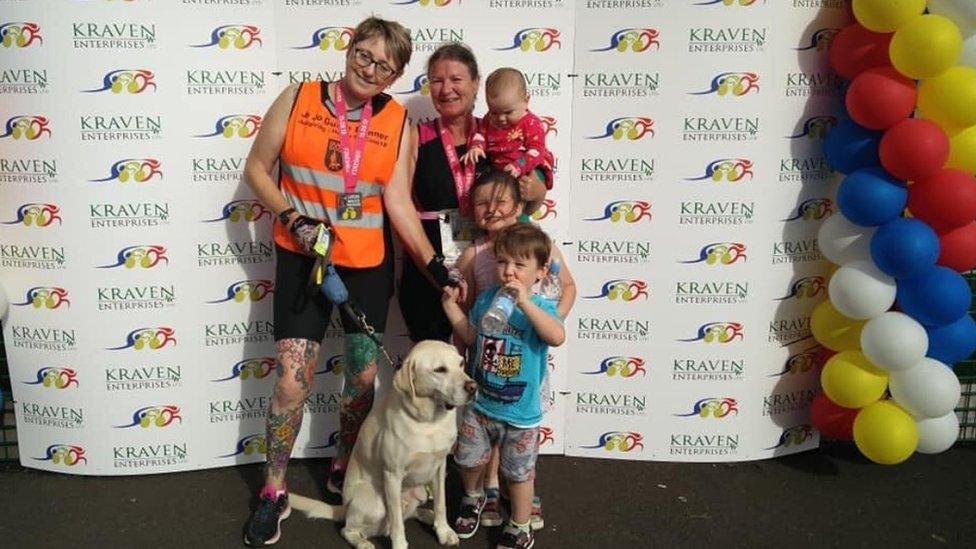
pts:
[311, 172]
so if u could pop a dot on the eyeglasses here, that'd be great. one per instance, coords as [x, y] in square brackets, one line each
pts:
[363, 59]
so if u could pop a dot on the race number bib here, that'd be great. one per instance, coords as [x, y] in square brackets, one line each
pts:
[457, 232]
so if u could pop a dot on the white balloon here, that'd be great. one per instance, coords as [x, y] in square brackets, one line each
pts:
[937, 434]
[859, 290]
[929, 389]
[960, 12]
[894, 341]
[843, 242]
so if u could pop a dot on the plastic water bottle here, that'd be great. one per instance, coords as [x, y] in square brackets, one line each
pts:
[496, 317]
[551, 287]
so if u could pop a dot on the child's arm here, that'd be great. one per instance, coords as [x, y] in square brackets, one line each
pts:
[459, 321]
[465, 264]
[568, 297]
[476, 145]
[548, 327]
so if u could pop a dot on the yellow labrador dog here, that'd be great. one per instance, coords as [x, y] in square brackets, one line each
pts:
[402, 445]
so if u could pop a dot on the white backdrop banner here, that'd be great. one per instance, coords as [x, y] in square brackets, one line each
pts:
[139, 266]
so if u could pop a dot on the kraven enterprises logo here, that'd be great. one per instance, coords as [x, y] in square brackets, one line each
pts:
[55, 377]
[243, 126]
[32, 257]
[45, 415]
[23, 81]
[685, 444]
[621, 441]
[696, 212]
[210, 169]
[787, 331]
[733, 84]
[814, 84]
[815, 127]
[613, 251]
[622, 289]
[616, 170]
[718, 408]
[726, 39]
[28, 170]
[326, 38]
[820, 40]
[150, 339]
[211, 254]
[420, 85]
[146, 456]
[142, 378]
[731, 170]
[812, 209]
[807, 360]
[222, 411]
[793, 436]
[236, 333]
[625, 366]
[793, 401]
[546, 209]
[118, 35]
[145, 256]
[21, 34]
[130, 298]
[807, 287]
[251, 368]
[612, 329]
[728, 128]
[632, 128]
[710, 292]
[809, 169]
[37, 215]
[796, 251]
[332, 365]
[131, 81]
[128, 214]
[241, 211]
[708, 369]
[247, 290]
[636, 40]
[611, 404]
[134, 127]
[717, 332]
[42, 339]
[68, 454]
[428, 39]
[720, 253]
[620, 84]
[628, 211]
[224, 82]
[247, 445]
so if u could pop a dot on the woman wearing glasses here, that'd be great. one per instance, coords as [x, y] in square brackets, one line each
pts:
[339, 146]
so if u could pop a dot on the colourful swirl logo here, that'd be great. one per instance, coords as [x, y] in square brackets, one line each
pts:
[546, 209]
[735, 83]
[251, 444]
[716, 407]
[549, 125]
[629, 211]
[807, 287]
[160, 416]
[718, 332]
[534, 39]
[235, 125]
[241, 211]
[794, 436]
[729, 2]
[626, 366]
[622, 441]
[239, 37]
[20, 35]
[126, 80]
[633, 128]
[325, 38]
[546, 435]
[330, 442]
[28, 127]
[820, 40]
[256, 368]
[147, 338]
[58, 378]
[332, 364]
[145, 257]
[802, 362]
[634, 40]
[138, 170]
[726, 169]
[623, 289]
[48, 297]
[813, 209]
[252, 290]
[420, 85]
[38, 215]
[432, 3]
[721, 253]
[815, 127]
[68, 454]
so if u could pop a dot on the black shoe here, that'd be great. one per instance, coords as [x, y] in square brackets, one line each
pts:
[264, 526]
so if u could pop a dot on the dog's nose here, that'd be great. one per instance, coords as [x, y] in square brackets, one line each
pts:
[471, 387]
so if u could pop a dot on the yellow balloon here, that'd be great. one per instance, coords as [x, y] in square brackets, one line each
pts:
[885, 433]
[925, 46]
[886, 15]
[949, 99]
[962, 150]
[834, 330]
[850, 380]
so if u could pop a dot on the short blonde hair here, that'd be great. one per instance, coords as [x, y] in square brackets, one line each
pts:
[397, 39]
[503, 79]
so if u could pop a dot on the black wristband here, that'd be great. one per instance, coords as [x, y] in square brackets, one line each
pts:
[283, 216]
[439, 272]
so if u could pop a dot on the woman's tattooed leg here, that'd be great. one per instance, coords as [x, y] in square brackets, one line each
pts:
[359, 370]
[296, 366]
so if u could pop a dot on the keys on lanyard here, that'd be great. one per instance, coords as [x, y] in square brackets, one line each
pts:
[350, 204]
[463, 175]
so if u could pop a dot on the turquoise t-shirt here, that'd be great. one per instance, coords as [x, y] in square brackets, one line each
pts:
[509, 368]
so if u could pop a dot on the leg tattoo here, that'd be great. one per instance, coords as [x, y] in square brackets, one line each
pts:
[359, 372]
[296, 364]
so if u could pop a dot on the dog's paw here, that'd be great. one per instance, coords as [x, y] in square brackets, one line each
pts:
[446, 535]
[365, 545]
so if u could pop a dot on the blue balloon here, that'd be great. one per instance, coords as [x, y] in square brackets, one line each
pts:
[952, 342]
[939, 297]
[850, 147]
[904, 248]
[870, 197]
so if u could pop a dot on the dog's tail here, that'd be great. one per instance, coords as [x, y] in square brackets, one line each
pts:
[317, 509]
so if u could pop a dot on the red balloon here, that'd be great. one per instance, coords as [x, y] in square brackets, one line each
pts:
[855, 49]
[945, 200]
[957, 248]
[913, 149]
[833, 421]
[880, 97]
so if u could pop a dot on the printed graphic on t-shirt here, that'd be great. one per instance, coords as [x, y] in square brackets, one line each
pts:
[497, 368]
[333, 156]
